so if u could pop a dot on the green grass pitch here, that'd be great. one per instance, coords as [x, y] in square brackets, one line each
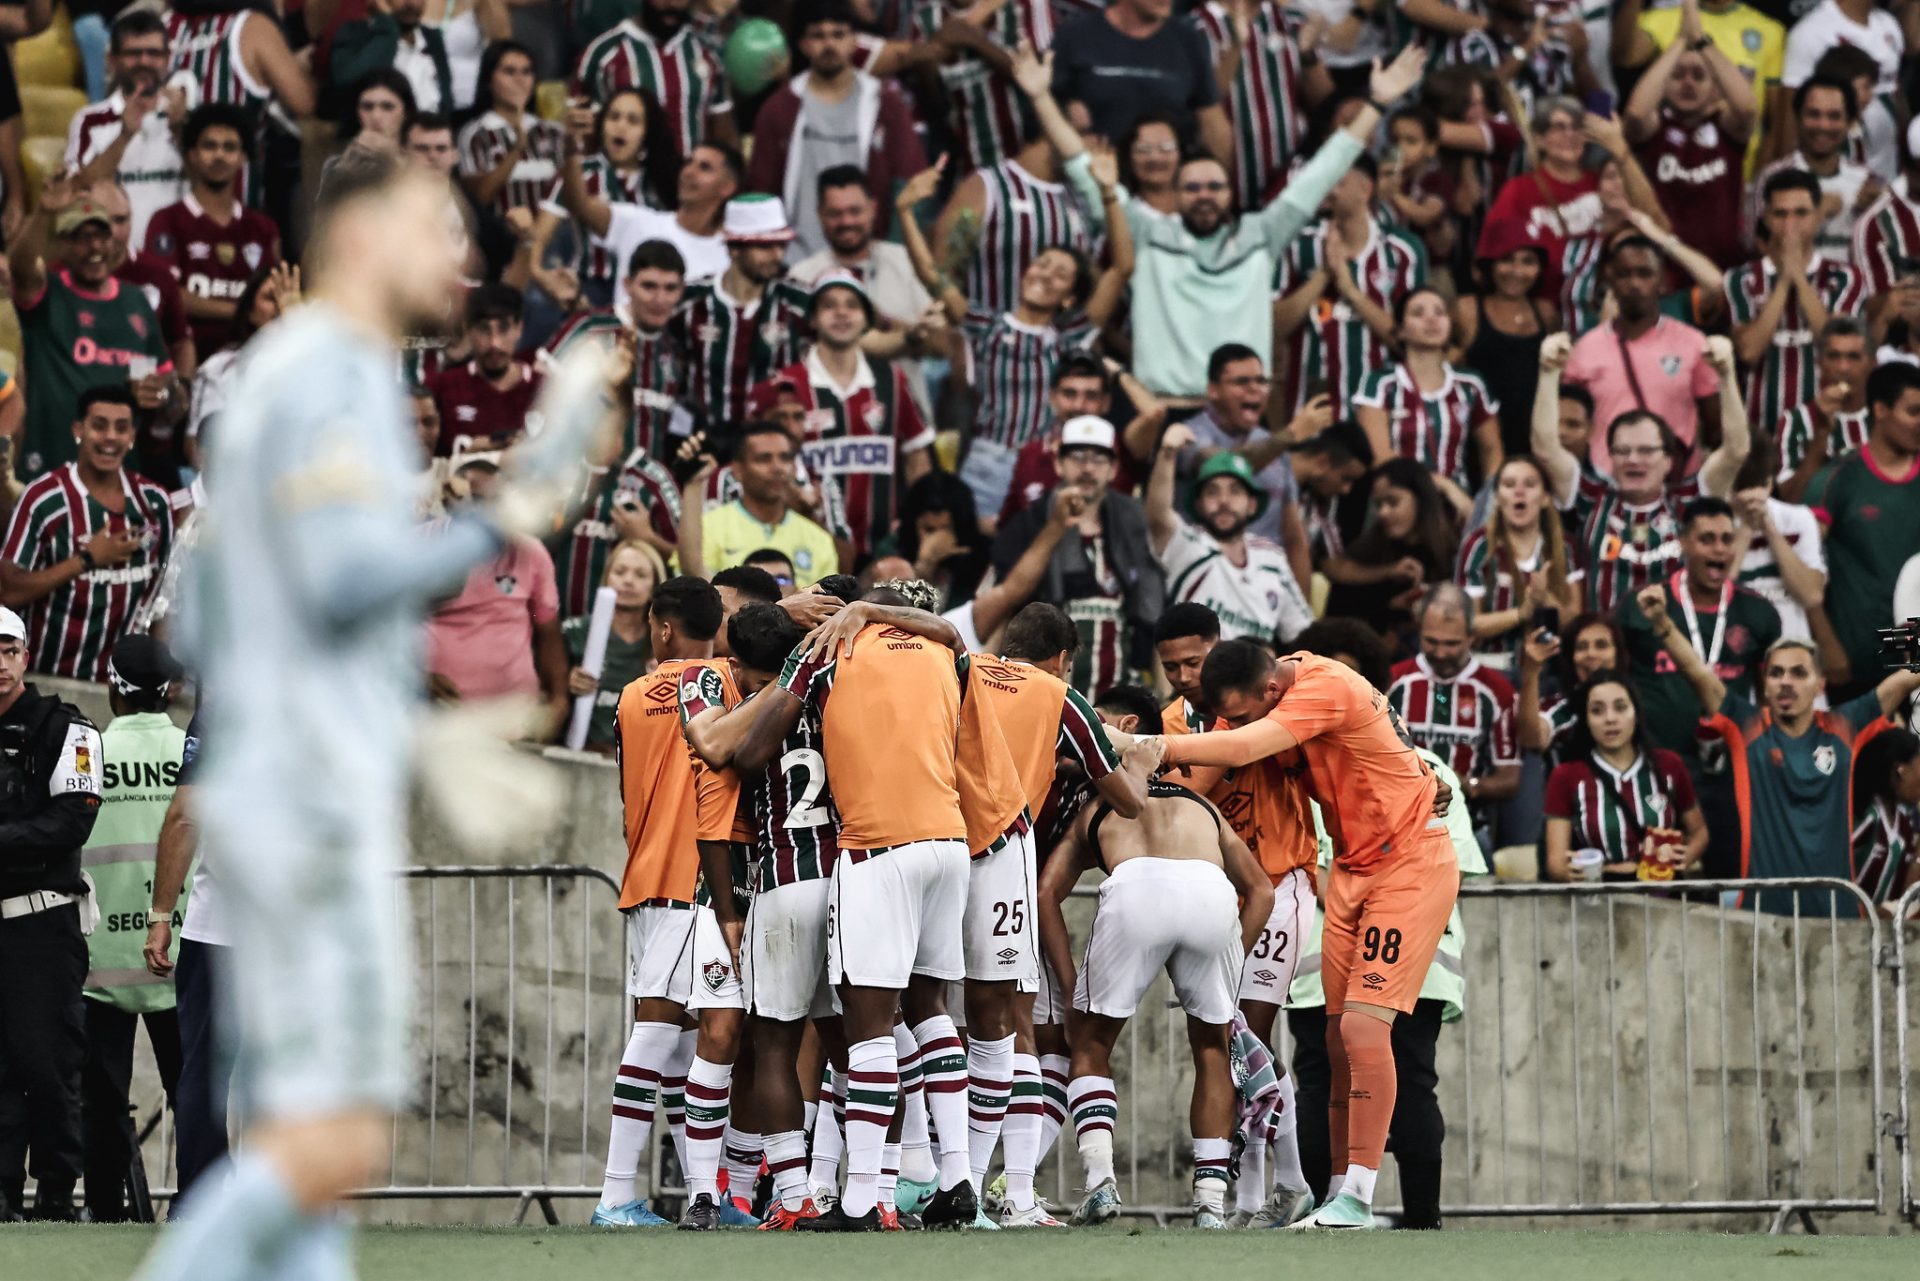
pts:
[49, 1253]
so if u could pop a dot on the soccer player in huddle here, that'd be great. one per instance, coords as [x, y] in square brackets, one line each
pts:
[680, 958]
[1393, 882]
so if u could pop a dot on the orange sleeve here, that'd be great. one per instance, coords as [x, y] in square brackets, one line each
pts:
[1231, 748]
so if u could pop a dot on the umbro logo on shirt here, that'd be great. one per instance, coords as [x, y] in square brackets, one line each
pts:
[199, 249]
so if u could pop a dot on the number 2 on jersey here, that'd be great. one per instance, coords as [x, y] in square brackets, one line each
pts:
[807, 810]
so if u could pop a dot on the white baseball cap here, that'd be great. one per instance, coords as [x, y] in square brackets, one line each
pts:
[1088, 431]
[12, 626]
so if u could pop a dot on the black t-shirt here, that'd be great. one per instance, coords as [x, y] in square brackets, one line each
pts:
[1119, 78]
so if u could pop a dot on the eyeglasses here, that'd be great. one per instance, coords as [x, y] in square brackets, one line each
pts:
[1156, 148]
[1200, 188]
[1560, 124]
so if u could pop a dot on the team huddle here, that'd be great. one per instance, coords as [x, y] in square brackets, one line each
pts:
[845, 845]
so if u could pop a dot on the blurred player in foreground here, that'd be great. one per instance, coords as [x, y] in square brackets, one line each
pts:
[307, 600]
[1394, 876]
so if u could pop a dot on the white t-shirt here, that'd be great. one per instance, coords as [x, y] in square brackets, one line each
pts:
[631, 226]
[1826, 26]
[151, 170]
[1761, 572]
[204, 923]
[1259, 599]
[961, 616]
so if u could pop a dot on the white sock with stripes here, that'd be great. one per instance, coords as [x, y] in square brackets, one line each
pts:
[636, 1097]
[787, 1162]
[1020, 1136]
[873, 1091]
[1094, 1108]
[708, 1085]
[1053, 1101]
[943, 1075]
[829, 1137]
[989, 1087]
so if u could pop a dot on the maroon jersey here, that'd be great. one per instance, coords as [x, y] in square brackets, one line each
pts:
[1697, 173]
[474, 414]
[156, 280]
[212, 259]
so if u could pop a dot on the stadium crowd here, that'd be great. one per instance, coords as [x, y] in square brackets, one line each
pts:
[1553, 363]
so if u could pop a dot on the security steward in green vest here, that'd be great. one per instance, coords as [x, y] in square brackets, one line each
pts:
[142, 747]
[1418, 1130]
[49, 794]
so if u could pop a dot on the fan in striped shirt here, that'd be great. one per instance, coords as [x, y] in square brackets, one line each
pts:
[1336, 286]
[1780, 300]
[1617, 790]
[1270, 89]
[1012, 356]
[1423, 408]
[1002, 217]
[743, 325]
[509, 157]
[1629, 523]
[86, 544]
[1886, 248]
[654, 287]
[1453, 705]
[661, 54]
[989, 117]
[1886, 808]
[1833, 421]
[630, 164]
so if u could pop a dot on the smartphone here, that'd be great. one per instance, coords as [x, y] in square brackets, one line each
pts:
[1600, 103]
[1544, 616]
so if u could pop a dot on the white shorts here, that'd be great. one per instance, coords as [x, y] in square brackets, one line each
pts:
[1275, 958]
[898, 914]
[786, 952]
[659, 942]
[1002, 937]
[712, 982]
[1174, 914]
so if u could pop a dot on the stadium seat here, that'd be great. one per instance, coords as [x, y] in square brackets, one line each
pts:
[50, 58]
[47, 110]
[41, 158]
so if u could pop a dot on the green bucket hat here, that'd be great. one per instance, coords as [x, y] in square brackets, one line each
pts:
[1231, 464]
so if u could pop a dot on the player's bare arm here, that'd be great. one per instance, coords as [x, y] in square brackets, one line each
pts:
[1125, 789]
[1249, 882]
[717, 733]
[1070, 859]
[835, 636]
[778, 711]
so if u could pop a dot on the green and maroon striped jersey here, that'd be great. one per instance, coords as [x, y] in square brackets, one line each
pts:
[731, 346]
[1785, 375]
[796, 831]
[1434, 428]
[1886, 842]
[1333, 345]
[1011, 367]
[1265, 104]
[1886, 242]
[206, 46]
[1802, 425]
[580, 556]
[681, 75]
[1624, 546]
[989, 115]
[1610, 809]
[71, 630]
[1024, 216]
[1488, 575]
[1466, 719]
[661, 417]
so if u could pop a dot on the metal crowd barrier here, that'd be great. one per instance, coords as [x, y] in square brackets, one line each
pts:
[1624, 1052]
[1905, 963]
